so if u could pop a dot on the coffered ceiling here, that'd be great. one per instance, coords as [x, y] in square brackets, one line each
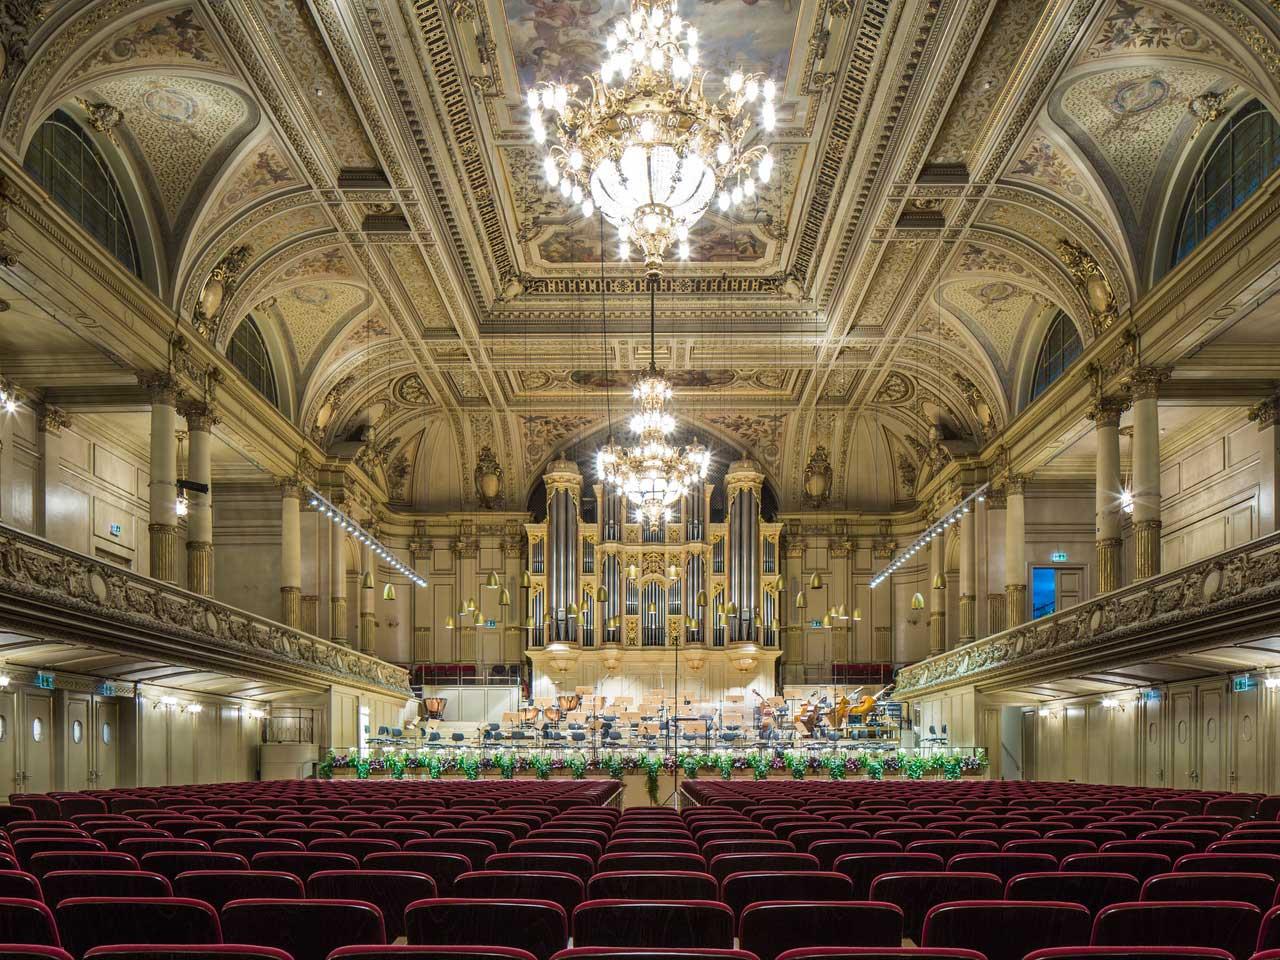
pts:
[951, 174]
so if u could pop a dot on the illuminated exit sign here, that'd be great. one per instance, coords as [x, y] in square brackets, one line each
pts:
[1058, 556]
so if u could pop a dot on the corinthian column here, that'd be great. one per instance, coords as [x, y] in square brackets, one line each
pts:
[937, 594]
[997, 521]
[368, 588]
[200, 420]
[290, 553]
[1108, 491]
[337, 584]
[1144, 386]
[163, 486]
[1015, 551]
[968, 578]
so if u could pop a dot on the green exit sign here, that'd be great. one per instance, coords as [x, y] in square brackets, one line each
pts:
[1242, 684]
[1058, 556]
[44, 680]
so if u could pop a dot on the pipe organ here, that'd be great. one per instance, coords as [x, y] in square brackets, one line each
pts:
[612, 602]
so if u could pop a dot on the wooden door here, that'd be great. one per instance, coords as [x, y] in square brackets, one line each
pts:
[106, 764]
[9, 743]
[1151, 741]
[1246, 775]
[77, 737]
[1182, 720]
[1212, 745]
[36, 741]
[1070, 583]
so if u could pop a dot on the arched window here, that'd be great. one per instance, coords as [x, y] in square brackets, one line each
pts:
[248, 354]
[1061, 346]
[1245, 152]
[66, 163]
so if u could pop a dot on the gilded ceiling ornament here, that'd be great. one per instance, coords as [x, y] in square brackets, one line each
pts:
[895, 389]
[1209, 107]
[103, 117]
[217, 290]
[18, 20]
[817, 478]
[324, 416]
[488, 479]
[7, 199]
[907, 474]
[1092, 284]
[981, 409]
[1264, 413]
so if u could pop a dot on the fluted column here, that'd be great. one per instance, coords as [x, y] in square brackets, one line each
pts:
[1144, 385]
[996, 513]
[290, 553]
[937, 594]
[968, 578]
[337, 585]
[163, 486]
[1108, 491]
[368, 586]
[200, 420]
[1015, 551]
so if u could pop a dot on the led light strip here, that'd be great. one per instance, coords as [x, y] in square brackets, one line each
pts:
[336, 516]
[963, 507]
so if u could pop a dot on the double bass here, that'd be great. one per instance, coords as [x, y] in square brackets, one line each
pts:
[766, 712]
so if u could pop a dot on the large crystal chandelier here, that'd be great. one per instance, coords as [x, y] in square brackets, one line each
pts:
[652, 474]
[647, 147]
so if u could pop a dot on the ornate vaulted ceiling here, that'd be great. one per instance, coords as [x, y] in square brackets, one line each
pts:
[951, 174]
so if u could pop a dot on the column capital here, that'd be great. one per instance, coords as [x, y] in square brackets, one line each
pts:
[1105, 411]
[289, 487]
[161, 385]
[53, 420]
[1264, 413]
[1015, 485]
[996, 498]
[200, 415]
[1144, 381]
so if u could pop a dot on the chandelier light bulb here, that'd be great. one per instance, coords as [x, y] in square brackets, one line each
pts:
[768, 117]
[751, 90]
[765, 169]
[684, 250]
[770, 90]
[748, 188]
[724, 152]
[588, 208]
[735, 81]
[723, 201]
[624, 251]
[736, 195]
[532, 98]
[648, 130]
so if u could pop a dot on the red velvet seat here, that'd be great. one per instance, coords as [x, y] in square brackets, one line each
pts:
[305, 929]
[1003, 865]
[715, 848]
[220, 887]
[1268, 863]
[613, 862]
[674, 845]
[1006, 929]
[391, 891]
[1230, 925]
[85, 922]
[30, 951]
[588, 848]
[738, 890]
[358, 847]
[651, 953]
[947, 849]
[1093, 890]
[564, 889]
[410, 952]
[248, 846]
[830, 851]
[174, 951]
[59, 885]
[20, 884]
[179, 861]
[1258, 889]
[443, 868]
[23, 920]
[652, 885]
[1054, 848]
[726, 863]
[43, 863]
[915, 893]
[476, 851]
[577, 864]
[302, 865]
[538, 926]
[1173, 849]
[139, 846]
[773, 927]
[863, 868]
[880, 953]
[1137, 865]
[653, 923]
[1129, 953]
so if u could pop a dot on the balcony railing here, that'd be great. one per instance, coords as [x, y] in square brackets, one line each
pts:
[1226, 598]
[63, 595]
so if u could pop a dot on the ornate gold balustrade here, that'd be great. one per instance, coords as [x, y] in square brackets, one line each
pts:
[66, 596]
[1228, 598]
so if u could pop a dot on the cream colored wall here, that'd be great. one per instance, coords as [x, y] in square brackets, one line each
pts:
[246, 529]
[1198, 735]
[961, 711]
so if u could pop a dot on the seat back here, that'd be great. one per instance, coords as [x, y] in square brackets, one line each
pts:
[305, 929]
[23, 920]
[565, 889]
[219, 887]
[389, 890]
[773, 927]
[577, 864]
[170, 864]
[1256, 888]
[1003, 865]
[86, 922]
[652, 885]
[1137, 865]
[653, 923]
[724, 864]
[1093, 890]
[302, 865]
[1006, 930]
[43, 863]
[172, 951]
[915, 893]
[59, 885]
[538, 926]
[1207, 923]
[443, 868]
[740, 889]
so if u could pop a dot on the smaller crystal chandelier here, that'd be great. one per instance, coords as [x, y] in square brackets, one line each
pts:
[653, 474]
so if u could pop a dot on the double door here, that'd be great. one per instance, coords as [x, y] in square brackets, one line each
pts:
[54, 741]
[1198, 740]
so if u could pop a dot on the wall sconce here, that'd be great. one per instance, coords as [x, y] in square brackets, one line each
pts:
[1111, 703]
[1271, 682]
[192, 708]
[165, 703]
[1048, 712]
[255, 713]
[5, 679]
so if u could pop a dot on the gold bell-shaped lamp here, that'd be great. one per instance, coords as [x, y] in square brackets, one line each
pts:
[691, 624]
[917, 601]
[815, 581]
[833, 613]
[471, 605]
[633, 572]
[842, 611]
[775, 625]
[491, 582]
[701, 598]
[528, 623]
[826, 622]
[939, 582]
[602, 594]
[389, 592]
[801, 602]
[547, 621]
[673, 572]
[857, 614]
[731, 610]
[757, 621]
[504, 598]
[652, 609]
[449, 623]
[525, 581]
[367, 580]
[571, 611]
[779, 584]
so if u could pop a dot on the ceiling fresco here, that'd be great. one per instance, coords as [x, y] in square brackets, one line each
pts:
[370, 173]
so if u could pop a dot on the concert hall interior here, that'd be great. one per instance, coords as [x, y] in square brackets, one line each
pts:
[641, 416]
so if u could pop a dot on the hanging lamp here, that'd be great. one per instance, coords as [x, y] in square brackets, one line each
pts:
[491, 582]
[366, 581]
[602, 594]
[701, 599]
[449, 623]
[815, 581]
[731, 610]
[857, 614]
[801, 602]
[504, 598]
[571, 611]
[389, 591]
[525, 581]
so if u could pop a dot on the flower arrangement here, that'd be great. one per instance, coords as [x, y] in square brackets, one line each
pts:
[612, 763]
[797, 762]
[875, 769]
[469, 764]
[577, 764]
[760, 764]
[975, 763]
[652, 764]
[396, 763]
[951, 768]
[540, 764]
[435, 766]
[363, 767]
[690, 763]
[325, 770]
[506, 764]
[894, 762]
[837, 765]
[915, 768]
[725, 763]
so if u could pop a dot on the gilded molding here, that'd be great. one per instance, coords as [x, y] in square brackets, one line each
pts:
[87, 593]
